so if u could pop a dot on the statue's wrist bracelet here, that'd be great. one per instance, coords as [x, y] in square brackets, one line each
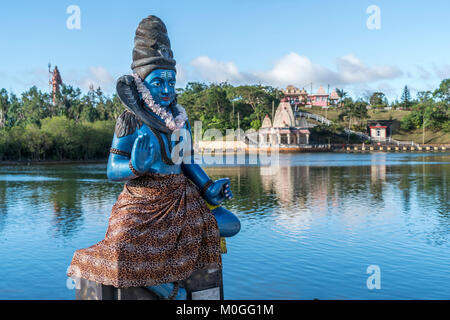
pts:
[206, 186]
[130, 164]
[120, 152]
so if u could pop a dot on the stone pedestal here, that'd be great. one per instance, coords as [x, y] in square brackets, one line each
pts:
[204, 284]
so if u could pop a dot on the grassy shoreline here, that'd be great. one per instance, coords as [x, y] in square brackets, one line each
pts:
[50, 162]
[336, 148]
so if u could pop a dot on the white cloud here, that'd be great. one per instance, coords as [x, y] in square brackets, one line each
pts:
[351, 70]
[97, 77]
[181, 76]
[216, 71]
[423, 73]
[32, 77]
[295, 69]
[443, 71]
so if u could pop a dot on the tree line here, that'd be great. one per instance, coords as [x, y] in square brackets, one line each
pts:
[430, 108]
[223, 106]
[81, 125]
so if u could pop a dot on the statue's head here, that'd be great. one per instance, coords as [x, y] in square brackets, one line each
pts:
[153, 60]
[161, 83]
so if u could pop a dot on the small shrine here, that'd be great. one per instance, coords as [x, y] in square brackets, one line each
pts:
[380, 130]
[333, 98]
[284, 129]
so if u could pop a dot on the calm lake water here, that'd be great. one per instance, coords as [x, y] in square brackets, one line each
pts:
[309, 230]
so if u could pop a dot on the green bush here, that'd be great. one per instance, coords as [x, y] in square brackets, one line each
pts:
[58, 138]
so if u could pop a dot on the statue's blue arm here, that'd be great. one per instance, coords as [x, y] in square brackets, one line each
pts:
[213, 192]
[229, 224]
[118, 165]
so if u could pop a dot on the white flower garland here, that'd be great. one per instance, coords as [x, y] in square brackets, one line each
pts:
[171, 123]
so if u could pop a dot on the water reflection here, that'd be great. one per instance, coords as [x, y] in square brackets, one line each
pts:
[3, 205]
[376, 186]
[298, 193]
[68, 192]
[309, 227]
[67, 215]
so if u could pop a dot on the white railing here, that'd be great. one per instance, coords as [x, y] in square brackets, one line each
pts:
[359, 134]
[403, 143]
[314, 116]
[329, 122]
[399, 143]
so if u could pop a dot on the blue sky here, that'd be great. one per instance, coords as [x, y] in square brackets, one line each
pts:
[270, 42]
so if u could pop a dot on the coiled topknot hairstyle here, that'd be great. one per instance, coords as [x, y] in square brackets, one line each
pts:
[152, 48]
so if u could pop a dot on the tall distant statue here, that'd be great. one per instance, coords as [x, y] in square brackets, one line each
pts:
[161, 228]
[55, 82]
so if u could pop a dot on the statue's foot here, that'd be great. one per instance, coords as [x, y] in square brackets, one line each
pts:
[169, 291]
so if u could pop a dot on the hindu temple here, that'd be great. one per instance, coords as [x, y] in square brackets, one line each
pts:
[285, 130]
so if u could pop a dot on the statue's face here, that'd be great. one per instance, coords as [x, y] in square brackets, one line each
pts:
[161, 83]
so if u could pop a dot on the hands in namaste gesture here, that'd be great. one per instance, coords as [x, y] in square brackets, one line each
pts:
[142, 154]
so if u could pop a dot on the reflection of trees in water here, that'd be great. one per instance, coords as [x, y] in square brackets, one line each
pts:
[404, 185]
[431, 184]
[246, 184]
[294, 185]
[81, 190]
[69, 199]
[62, 198]
[67, 212]
[323, 188]
[3, 205]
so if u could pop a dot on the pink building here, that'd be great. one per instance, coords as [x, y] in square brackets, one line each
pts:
[300, 97]
[319, 99]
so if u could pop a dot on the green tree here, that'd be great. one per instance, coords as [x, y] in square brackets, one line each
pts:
[64, 136]
[443, 92]
[35, 106]
[36, 142]
[378, 100]
[4, 106]
[342, 95]
[406, 98]
[354, 112]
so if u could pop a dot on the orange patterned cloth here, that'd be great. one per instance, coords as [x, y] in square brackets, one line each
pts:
[160, 231]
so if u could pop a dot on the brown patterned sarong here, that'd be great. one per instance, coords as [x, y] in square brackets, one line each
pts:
[160, 231]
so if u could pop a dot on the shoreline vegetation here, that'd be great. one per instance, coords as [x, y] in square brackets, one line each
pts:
[80, 126]
[345, 148]
[51, 162]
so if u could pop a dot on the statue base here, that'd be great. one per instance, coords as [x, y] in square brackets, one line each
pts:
[204, 284]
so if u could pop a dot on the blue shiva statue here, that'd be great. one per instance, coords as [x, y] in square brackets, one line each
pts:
[153, 136]
[167, 225]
